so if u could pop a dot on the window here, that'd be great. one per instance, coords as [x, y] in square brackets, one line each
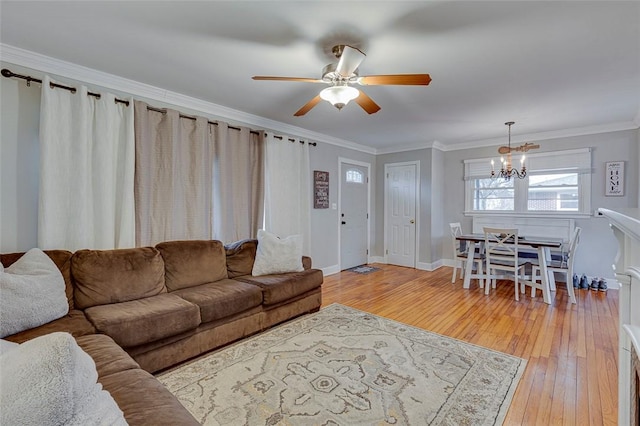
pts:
[553, 192]
[556, 183]
[493, 194]
[354, 176]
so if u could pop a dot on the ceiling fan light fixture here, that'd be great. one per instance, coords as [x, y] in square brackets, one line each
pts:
[339, 96]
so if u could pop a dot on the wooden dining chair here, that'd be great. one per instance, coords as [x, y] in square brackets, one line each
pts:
[563, 265]
[460, 254]
[501, 254]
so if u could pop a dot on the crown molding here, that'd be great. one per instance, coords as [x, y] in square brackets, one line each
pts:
[68, 70]
[413, 147]
[555, 134]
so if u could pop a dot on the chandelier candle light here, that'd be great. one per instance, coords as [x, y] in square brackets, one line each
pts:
[506, 169]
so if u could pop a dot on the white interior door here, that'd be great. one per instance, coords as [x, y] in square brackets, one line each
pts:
[354, 202]
[400, 213]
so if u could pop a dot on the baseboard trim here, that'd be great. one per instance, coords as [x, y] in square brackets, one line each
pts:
[377, 259]
[424, 266]
[330, 270]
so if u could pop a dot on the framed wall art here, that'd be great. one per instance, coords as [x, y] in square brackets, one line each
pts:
[614, 179]
[320, 189]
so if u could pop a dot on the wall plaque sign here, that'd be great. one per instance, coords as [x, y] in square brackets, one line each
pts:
[320, 189]
[614, 179]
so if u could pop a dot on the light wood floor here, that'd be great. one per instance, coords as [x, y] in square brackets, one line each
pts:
[571, 350]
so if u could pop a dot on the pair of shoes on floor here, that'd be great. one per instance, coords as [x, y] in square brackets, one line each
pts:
[576, 281]
[602, 284]
[584, 282]
[598, 284]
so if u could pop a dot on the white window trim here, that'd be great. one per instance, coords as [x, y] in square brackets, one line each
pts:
[521, 185]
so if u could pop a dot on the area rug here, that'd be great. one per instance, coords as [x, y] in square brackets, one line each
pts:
[342, 366]
[363, 269]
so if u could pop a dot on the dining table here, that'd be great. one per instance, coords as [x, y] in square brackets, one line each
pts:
[542, 246]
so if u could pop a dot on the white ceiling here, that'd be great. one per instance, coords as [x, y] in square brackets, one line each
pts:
[552, 67]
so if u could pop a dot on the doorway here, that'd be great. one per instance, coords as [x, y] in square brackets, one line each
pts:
[401, 212]
[354, 198]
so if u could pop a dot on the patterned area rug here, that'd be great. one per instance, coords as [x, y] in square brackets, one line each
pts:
[363, 269]
[342, 366]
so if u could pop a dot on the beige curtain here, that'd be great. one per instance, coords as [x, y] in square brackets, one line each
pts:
[173, 179]
[238, 188]
[195, 179]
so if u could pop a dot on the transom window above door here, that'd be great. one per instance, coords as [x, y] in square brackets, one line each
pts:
[354, 176]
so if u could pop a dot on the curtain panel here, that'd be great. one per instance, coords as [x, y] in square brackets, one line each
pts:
[238, 183]
[173, 176]
[87, 164]
[288, 188]
[195, 179]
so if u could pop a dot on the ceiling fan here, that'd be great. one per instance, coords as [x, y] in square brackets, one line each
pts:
[341, 75]
[522, 148]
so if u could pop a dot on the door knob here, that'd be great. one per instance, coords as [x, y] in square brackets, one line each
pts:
[412, 221]
[344, 223]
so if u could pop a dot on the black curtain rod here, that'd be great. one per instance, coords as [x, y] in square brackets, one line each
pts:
[293, 140]
[7, 73]
[190, 117]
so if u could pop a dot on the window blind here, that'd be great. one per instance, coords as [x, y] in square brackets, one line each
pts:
[573, 160]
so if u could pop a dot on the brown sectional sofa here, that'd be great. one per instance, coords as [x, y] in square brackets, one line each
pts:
[138, 311]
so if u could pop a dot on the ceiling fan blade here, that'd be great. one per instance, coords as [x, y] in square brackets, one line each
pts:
[398, 79]
[349, 61]
[307, 107]
[367, 103]
[302, 79]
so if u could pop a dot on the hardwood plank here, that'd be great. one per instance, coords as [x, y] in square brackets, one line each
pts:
[571, 350]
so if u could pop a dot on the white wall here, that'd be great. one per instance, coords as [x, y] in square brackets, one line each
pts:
[19, 165]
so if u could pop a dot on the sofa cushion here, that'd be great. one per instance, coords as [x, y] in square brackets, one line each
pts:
[62, 259]
[281, 287]
[191, 263]
[222, 298]
[108, 356]
[145, 401]
[75, 323]
[32, 293]
[113, 276]
[145, 320]
[240, 256]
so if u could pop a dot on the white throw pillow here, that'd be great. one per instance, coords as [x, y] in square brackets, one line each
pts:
[32, 293]
[6, 346]
[50, 380]
[277, 255]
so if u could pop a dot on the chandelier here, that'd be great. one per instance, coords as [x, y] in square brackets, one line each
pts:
[506, 169]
